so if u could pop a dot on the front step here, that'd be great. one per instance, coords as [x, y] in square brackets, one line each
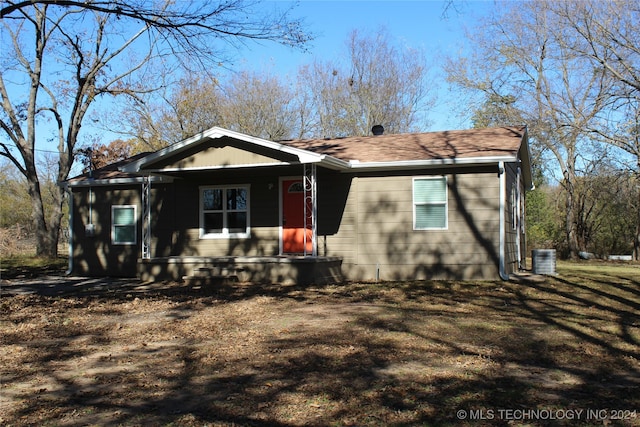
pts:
[207, 276]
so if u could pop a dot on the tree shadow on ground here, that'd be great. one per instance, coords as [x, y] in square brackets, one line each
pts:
[410, 353]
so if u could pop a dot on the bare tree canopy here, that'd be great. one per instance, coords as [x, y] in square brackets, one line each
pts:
[59, 57]
[259, 104]
[571, 70]
[188, 22]
[375, 83]
[379, 83]
[523, 66]
[608, 34]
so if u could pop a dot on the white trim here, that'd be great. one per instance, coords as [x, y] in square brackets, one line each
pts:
[432, 163]
[113, 225]
[70, 225]
[519, 220]
[207, 168]
[502, 176]
[119, 181]
[446, 202]
[304, 156]
[310, 198]
[145, 196]
[281, 179]
[225, 231]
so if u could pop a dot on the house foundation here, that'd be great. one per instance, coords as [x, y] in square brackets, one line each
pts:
[288, 270]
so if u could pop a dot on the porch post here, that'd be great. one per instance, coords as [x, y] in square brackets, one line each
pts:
[146, 217]
[310, 208]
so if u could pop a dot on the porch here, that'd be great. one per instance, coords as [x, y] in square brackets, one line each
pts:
[300, 270]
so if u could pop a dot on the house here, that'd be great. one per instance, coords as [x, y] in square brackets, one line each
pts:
[437, 205]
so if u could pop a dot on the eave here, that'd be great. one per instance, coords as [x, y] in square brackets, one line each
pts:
[90, 182]
[427, 164]
[144, 166]
[303, 156]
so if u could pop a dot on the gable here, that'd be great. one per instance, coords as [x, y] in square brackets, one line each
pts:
[217, 154]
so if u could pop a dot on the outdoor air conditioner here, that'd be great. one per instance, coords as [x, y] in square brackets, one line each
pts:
[543, 261]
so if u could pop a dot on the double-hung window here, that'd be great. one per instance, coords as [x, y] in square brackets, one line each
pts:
[224, 211]
[430, 203]
[123, 225]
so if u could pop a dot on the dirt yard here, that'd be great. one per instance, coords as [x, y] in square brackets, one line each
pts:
[434, 353]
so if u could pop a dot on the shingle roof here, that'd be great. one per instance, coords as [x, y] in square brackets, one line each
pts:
[110, 171]
[445, 145]
[489, 142]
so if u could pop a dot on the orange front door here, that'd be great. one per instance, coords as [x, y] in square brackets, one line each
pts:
[293, 227]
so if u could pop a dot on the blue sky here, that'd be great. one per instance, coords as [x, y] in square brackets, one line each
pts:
[418, 24]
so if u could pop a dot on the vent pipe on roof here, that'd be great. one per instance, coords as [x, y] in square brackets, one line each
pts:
[377, 130]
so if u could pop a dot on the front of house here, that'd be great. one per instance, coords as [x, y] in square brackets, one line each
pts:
[439, 205]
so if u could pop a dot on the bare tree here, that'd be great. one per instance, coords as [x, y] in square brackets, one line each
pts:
[59, 57]
[257, 104]
[381, 84]
[192, 104]
[521, 52]
[260, 104]
[323, 87]
[100, 155]
[608, 34]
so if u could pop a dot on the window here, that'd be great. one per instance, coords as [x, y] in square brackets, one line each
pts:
[123, 225]
[224, 212]
[296, 187]
[430, 203]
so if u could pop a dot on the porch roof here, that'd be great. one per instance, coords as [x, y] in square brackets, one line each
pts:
[111, 174]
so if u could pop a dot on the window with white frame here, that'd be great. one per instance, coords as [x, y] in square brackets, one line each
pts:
[224, 211]
[430, 203]
[123, 225]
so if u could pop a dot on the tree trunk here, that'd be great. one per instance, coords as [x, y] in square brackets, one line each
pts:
[636, 243]
[46, 233]
[56, 220]
[37, 215]
[636, 237]
[572, 235]
[570, 207]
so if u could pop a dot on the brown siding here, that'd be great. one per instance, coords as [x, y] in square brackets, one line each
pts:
[179, 233]
[367, 220]
[377, 239]
[222, 152]
[220, 156]
[337, 215]
[513, 253]
[97, 256]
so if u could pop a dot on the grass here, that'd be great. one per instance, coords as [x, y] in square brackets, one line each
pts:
[29, 266]
[599, 267]
[411, 353]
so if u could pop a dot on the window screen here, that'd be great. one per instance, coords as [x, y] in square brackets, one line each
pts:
[430, 203]
[123, 225]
